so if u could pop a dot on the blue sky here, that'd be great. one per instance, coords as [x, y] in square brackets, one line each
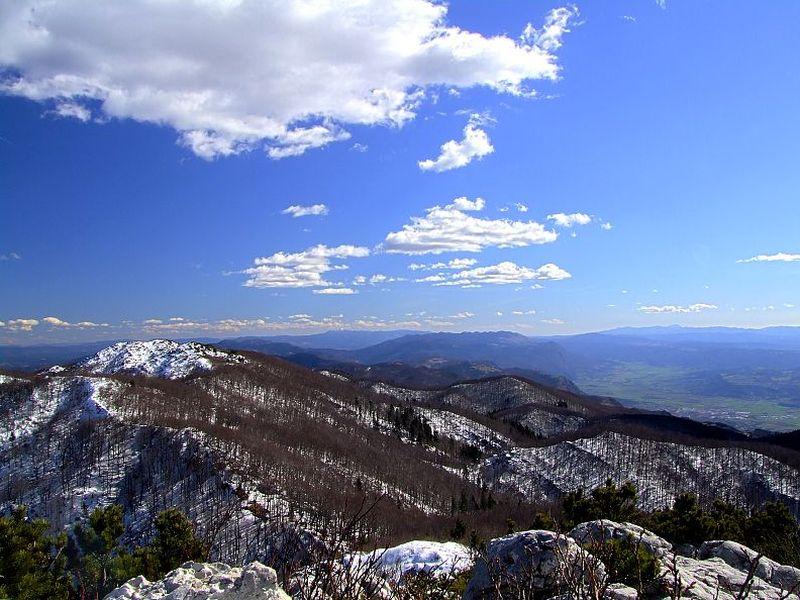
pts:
[673, 130]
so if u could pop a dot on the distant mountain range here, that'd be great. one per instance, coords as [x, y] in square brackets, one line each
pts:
[254, 448]
[749, 378]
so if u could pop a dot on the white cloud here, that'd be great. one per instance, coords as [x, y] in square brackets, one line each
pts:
[673, 309]
[295, 210]
[233, 75]
[500, 274]
[553, 321]
[467, 205]
[10, 256]
[628, 18]
[431, 279]
[777, 257]
[556, 24]
[456, 154]
[72, 110]
[300, 269]
[450, 229]
[564, 220]
[521, 313]
[462, 315]
[456, 263]
[336, 291]
[523, 208]
[22, 324]
[56, 322]
[607, 226]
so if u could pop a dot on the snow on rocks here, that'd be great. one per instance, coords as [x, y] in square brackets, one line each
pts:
[206, 581]
[441, 558]
[603, 530]
[155, 358]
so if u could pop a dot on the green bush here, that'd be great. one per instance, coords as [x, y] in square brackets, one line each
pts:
[32, 563]
[605, 502]
[627, 562]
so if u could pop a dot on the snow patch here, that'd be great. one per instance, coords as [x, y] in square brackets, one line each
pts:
[442, 558]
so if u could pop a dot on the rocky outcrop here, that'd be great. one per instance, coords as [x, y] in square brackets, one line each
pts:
[603, 530]
[743, 559]
[558, 565]
[206, 581]
[714, 579]
[535, 560]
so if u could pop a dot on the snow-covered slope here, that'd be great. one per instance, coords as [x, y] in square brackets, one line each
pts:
[464, 430]
[156, 358]
[660, 471]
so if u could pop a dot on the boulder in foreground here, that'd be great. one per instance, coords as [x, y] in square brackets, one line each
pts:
[206, 581]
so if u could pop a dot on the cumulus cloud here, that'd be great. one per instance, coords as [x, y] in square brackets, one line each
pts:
[508, 272]
[500, 274]
[285, 76]
[564, 220]
[456, 154]
[300, 269]
[56, 322]
[22, 324]
[450, 229]
[673, 309]
[295, 210]
[777, 257]
[607, 226]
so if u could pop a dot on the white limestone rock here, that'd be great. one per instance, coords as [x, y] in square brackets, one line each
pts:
[206, 581]
[604, 530]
